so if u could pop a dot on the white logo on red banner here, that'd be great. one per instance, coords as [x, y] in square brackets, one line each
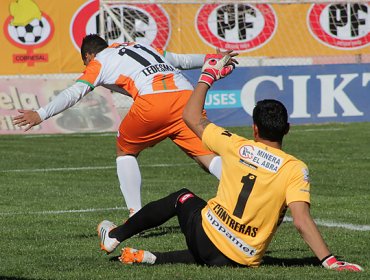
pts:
[342, 25]
[147, 24]
[241, 27]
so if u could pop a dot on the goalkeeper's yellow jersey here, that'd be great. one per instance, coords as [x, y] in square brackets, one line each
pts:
[257, 184]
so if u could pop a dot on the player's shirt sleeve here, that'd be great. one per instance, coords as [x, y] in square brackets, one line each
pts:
[91, 74]
[185, 61]
[215, 138]
[298, 184]
[64, 100]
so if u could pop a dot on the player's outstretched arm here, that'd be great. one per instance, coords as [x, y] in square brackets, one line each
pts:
[310, 233]
[213, 69]
[195, 61]
[64, 100]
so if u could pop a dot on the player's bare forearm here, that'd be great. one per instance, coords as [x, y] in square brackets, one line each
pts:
[308, 229]
[192, 114]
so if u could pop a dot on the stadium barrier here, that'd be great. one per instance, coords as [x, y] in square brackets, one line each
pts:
[312, 55]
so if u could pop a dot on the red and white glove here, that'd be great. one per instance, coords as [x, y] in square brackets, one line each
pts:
[215, 68]
[330, 262]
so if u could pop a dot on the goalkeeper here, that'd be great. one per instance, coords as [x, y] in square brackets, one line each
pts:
[258, 183]
[160, 92]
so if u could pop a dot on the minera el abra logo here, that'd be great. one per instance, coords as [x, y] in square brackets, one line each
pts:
[27, 27]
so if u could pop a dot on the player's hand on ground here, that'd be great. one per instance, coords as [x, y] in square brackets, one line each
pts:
[215, 68]
[27, 118]
[332, 263]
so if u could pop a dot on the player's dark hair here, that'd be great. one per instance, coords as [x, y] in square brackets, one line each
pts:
[271, 118]
[92, 44]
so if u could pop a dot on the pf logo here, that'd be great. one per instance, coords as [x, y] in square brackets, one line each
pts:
[28, 28]
[144, 23]
[241, 27]
[341, 26]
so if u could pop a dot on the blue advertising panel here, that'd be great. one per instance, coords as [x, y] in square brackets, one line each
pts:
[311, 93]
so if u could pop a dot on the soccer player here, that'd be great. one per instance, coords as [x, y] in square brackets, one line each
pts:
[160, 92]
[258, 183]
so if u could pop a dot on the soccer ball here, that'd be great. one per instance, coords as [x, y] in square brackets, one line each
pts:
[30, 33]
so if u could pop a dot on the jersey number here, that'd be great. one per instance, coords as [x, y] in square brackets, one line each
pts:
[248, 183]
[134, 55]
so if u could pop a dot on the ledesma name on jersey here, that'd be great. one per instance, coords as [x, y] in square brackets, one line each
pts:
[260, 158]
[161, 67]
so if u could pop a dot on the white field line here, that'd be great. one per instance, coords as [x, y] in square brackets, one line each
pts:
[90, 210]
[110, 134]
[58, 212]
[90, 168]
[336, 224]
[316, 129]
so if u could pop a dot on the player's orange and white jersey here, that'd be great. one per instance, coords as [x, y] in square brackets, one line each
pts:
[257, 184]
[134, 69]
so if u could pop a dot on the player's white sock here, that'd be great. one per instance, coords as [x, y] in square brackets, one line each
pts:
[215, 167]
[130, 182]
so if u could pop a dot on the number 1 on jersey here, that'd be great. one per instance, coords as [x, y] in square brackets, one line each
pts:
[248, 183]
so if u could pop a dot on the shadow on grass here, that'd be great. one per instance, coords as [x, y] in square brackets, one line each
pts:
[159, 231]
[308, 261]
[267, 261]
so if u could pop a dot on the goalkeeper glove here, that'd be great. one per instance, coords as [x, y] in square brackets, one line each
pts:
[215, 68]
[330, 262]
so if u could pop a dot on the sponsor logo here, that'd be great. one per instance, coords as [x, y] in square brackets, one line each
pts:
[240, 27]
[237, 242]
[246, 151]
[222, 99]
[342, 25]
[259, 157]
[185, 197]
[147, 24]
[27, 27]
[306, 175]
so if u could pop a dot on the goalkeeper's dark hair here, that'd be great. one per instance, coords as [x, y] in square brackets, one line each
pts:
[271, 118]
[92, 44]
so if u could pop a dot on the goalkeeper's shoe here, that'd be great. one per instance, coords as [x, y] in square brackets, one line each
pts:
[130, 256]
[331, 262]
[107, 243]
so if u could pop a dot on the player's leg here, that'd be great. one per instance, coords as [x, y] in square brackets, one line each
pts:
[129, 177]
[137, 131]
[151, 215]
[183, 137]
[188, 209]
[211, 162]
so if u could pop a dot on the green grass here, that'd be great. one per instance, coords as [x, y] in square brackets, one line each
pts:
[40, 239]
